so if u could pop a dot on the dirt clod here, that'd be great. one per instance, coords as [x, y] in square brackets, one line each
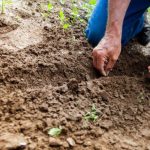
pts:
[47, 80]
[12, 141]
[71, 141]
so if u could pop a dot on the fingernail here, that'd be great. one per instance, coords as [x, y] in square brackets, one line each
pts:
[107, 73]
[104, 74]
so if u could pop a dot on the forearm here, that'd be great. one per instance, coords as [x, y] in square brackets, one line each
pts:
[116, 13]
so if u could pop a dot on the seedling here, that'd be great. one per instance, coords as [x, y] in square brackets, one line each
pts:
[46, 8]
[75, 12]
[91, 115]
[3, 5]
[88, 7]
[49, 7]
[61, 16]
[63, 20]
[54, 132]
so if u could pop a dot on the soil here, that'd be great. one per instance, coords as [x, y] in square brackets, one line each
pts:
[47, 80]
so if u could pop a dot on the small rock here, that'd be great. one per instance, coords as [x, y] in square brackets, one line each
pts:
[43, 108]
[130, 142]
[140, 119]
[116, 94]
[146, 133]
[87, 143]
[32, 146]
[55, 142]
[78, 117]
[65, 144]
[107, 124]
[47, 27]
[79, 141]
[87, 77]
[73, 85]
[71, 142]
[80, 133]
[99, 132]
[62, 89]
[104, 95]
[12, 141]
[97, 146]
[122, 97]
[141, 108]
[129, 117]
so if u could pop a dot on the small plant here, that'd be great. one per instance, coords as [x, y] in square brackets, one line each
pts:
[54, 132]
[88, 7]
[91, 115]
[75, 12]
[49, 7]
[3, 5]
[63, 20]
[46, 9]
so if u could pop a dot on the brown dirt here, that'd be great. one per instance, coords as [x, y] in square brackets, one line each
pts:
[53, 83]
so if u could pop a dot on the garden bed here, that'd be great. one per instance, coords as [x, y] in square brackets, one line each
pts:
[47, 81]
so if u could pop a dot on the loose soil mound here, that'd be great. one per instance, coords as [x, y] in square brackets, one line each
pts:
[53, 84]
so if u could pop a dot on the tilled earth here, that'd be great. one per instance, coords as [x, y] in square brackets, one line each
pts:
[53, 83]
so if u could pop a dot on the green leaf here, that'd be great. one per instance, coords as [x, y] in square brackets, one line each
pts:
[55, 132]
[91, 115]
[92, 2]
[66, 26]
[49, 6]
[61, 15]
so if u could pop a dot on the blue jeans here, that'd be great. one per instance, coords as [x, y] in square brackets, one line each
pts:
[133, 22]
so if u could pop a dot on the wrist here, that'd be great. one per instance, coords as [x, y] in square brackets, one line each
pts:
[114, 30]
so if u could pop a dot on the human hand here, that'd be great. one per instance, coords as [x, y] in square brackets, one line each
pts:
[106, 53]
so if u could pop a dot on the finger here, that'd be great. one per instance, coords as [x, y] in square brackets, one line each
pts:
[101, 64]
[94, 59]
[109, 66]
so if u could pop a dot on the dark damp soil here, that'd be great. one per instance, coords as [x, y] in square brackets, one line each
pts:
[53, 83]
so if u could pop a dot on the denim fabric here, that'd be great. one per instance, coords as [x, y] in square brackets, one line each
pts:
[133, 22]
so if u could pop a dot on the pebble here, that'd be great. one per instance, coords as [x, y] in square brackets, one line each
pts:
[87, 143]
[146, 133]
[104, 95]
[43, 108]
[57, 142]
[130, 142]
[71, 141]
[80, 133]
[97, 146]
[107, 124]
[12, 141]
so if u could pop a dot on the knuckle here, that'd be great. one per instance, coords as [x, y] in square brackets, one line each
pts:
[114, 59]
[96, 52]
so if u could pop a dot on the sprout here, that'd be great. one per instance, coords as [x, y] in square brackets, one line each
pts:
[55, 132]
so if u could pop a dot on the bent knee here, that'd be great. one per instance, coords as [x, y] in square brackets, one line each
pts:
[93, 35]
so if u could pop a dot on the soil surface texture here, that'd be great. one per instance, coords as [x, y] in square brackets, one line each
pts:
[47, 80]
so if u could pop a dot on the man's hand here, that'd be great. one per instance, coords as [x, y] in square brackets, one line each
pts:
[108, 50]
[106, 54]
